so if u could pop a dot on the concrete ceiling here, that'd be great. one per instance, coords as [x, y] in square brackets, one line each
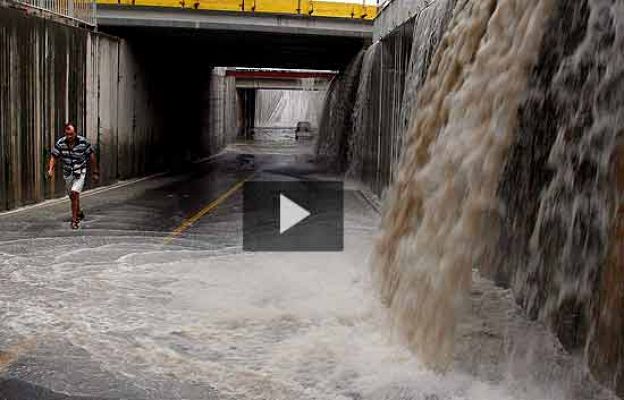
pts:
[215, 45]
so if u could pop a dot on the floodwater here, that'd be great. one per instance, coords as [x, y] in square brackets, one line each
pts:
[117, 311]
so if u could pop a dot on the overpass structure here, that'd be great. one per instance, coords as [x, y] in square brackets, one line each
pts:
[241, 39]
[310, 8]
[112, 15]
[295, 34]
[280, 79]
[141, 12]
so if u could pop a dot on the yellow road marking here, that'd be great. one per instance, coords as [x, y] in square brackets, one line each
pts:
[189, 221]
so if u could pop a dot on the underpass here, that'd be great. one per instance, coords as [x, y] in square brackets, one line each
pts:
[473, 243]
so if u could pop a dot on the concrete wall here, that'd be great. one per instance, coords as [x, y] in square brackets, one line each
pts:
[118, 92]
[121, 117]
[397, 13]
[141, 136]
[54, 73]
[221, 123]
[42, 85]
[102, 96]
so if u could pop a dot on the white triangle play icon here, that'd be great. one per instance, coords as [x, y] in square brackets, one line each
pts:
[291, 213]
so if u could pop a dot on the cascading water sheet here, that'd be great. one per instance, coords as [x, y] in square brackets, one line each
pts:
[285, 108]
[440, 217]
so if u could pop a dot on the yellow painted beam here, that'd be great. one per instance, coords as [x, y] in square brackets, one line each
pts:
[336, 9]
[220, 5]
[293, 7]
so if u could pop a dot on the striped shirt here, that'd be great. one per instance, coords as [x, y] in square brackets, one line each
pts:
[74, 158]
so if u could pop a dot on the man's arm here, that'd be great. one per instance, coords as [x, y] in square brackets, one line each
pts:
[51, 166]
[55, 153]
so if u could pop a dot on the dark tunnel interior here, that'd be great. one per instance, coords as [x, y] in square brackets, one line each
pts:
[174, 68]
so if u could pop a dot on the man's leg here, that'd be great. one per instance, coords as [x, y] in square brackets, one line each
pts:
[75, 205]
[79, 213]
[69, 181]
[76, 189]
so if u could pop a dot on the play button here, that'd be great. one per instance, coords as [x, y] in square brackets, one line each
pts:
[292, 216]
[291, 213]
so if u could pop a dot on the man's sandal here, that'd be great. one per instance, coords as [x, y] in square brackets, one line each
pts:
[75, 224]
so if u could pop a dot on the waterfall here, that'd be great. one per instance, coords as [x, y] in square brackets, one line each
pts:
[364, 120]
[441, 214]
[335, 121]
[429, 26]
[507, 160]
[571, 227]
[383, 104]
[560, 186]
[284, 108]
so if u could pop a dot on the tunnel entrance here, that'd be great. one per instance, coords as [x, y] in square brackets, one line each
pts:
[192, 85]
[495, 156]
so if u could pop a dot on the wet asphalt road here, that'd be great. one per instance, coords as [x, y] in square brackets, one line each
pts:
[48, 269]
[120, 309]
[156, 207]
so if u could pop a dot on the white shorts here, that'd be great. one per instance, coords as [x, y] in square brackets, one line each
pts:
[75, 184]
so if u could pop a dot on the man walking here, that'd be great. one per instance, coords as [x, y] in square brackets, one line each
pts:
[74, 151]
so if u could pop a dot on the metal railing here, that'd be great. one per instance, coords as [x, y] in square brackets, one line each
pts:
[79, 10]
